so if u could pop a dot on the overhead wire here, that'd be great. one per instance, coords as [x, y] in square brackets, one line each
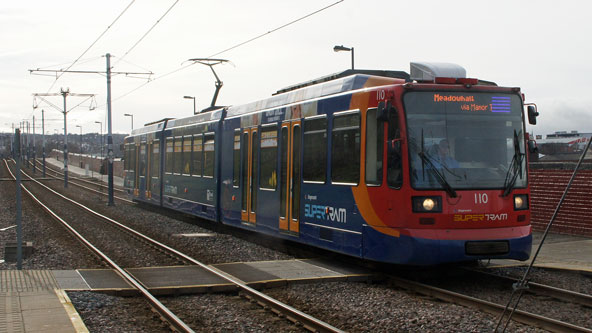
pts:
[147, 32]
[230, 48]
[91, 45]
[276, 29]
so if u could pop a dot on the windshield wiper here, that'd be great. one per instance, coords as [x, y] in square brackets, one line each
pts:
[515, 168]
[439, 175]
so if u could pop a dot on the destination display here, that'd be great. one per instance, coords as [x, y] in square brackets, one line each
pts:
[476, 103]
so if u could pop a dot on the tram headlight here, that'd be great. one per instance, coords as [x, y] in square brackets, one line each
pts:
[521, 202]
[427, 204]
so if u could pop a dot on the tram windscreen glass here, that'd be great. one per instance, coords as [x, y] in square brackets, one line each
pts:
[465, 140]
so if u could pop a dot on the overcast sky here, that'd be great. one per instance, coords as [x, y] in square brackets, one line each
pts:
[544, 47]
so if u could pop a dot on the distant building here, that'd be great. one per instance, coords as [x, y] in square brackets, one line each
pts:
[563, 145]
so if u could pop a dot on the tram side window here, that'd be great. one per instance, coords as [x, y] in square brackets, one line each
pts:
[133, 157]
[269, 144]
[374, 148]
[315, 150]
[209, 153]
[245, 173]
[394, 167]
[178, 155]
[186, 155]
[142, 161]
[345, 149]
[236, 159]
[155, 167]
[169, 156]
[197, 155]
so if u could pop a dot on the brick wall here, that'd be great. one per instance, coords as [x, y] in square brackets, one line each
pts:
[548, 182]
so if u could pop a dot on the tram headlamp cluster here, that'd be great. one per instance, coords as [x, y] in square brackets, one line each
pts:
[427, 204]
[521, 202]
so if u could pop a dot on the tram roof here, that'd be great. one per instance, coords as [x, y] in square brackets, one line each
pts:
[325, 88]
[196, 119]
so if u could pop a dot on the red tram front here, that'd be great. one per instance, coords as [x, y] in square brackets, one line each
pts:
[456, 171]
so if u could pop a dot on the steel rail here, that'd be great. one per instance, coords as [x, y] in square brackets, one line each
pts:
[545, 290]
[293, 314]
[90, 189]
[83, 180]
[170, 317]
[490, 307]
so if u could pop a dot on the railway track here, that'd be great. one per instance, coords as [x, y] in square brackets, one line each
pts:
[294, 315]
[525, 317]
[121, 195]
[163, 311]
[544, 290]
[71, 176]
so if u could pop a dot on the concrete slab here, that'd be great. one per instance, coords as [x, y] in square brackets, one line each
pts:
[38, 320]
[338, 267]
[176, 276]
[11, 319]
[247, 273]
[70, 279]
[293, 269]
[39, 301]
[99, 279]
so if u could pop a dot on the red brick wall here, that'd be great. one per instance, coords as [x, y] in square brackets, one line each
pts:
[547, 187]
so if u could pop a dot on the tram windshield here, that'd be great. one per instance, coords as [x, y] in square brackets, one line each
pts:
[465, 140]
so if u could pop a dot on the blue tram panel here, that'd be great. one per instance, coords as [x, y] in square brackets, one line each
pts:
[336, 163]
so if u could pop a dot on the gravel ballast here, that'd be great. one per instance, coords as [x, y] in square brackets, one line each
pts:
[354, 307]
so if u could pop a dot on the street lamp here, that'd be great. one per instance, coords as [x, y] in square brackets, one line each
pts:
[100, 123]
[130, 115]
[338, 48]
[193, 98]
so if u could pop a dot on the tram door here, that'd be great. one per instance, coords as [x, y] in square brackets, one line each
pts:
[290, 177]
[135, 166]
[141, 184]
[249, 176]
[149, 169]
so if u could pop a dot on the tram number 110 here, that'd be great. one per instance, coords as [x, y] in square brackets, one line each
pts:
[481, 198]
[380, 95]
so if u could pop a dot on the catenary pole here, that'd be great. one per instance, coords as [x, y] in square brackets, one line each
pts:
[19, 227]
[65, 94]
[110, 154]
[109, 133]
[28, 144]
[34, 147]
[43, 132]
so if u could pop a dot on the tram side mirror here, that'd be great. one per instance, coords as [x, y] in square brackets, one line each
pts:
[532, 114]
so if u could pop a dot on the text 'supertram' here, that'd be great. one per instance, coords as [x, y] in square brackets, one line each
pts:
[418, 169]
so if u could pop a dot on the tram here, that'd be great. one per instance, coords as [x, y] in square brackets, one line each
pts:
[423, 168]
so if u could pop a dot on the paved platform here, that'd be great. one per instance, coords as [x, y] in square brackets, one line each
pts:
[80, 172]
[31, 301]
[558, 251]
